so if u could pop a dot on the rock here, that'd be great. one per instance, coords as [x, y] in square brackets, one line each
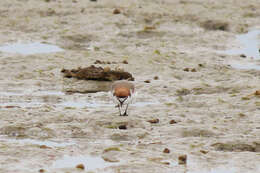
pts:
[257, 93]
[173, 122]
[182, 159]
[125, 62]
[44, 147]
[98, 62]
[204, 152]
[116, 11]
[201, 65]
[166, 150]
[153, 121]
[149, 28]
[41, 170]
[193, 70]
[122, 127]
[155, 77]
[8, 107]
[243, 56]
[80, 166]
[186, 69]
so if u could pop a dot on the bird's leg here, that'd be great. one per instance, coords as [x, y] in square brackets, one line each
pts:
[125, 114]
[119, 107]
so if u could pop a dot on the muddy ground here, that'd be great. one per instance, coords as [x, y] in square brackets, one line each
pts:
[206, 108]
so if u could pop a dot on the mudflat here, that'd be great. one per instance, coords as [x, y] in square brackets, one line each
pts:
[194, 111]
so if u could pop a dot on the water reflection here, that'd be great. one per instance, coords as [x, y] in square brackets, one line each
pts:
[36, 142]
[57, 99]
[30, 48]
[245, 66]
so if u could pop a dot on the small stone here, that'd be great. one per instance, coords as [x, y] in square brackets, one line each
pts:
[12, 107]
[182, 159]
[193, 70]
[111, 149]
[147, 28]
[116, 11]
[173, 122]
[125, 62]
[241, 115]
[204, 152]
[166, 150]
[41, 170]
[122, 127]
[80, 166]
[257, 93]
[243, 56]
[147, 81]
[44, 147]
[82, 10]
[186, 69]
[166, 163]
[153, 121]
[155, 77]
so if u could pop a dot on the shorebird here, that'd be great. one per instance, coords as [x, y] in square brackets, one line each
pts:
[122, 92]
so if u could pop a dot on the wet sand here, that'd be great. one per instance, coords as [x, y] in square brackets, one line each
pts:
[205, 105]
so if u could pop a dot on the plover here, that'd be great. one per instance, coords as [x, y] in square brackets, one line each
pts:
[122, 92]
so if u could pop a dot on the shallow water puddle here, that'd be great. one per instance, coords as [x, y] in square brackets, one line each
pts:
[90, 162]
[37, 142]
[250, 48]
[37, 93]
[245, 66]
[25, 99]
[30, 48]
[250, 45]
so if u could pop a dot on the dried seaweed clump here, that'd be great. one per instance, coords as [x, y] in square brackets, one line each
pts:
[215, 25]
[237, 147]
[97, 73]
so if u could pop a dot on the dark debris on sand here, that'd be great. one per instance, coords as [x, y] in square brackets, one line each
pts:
[215, 25]
[97, 73]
